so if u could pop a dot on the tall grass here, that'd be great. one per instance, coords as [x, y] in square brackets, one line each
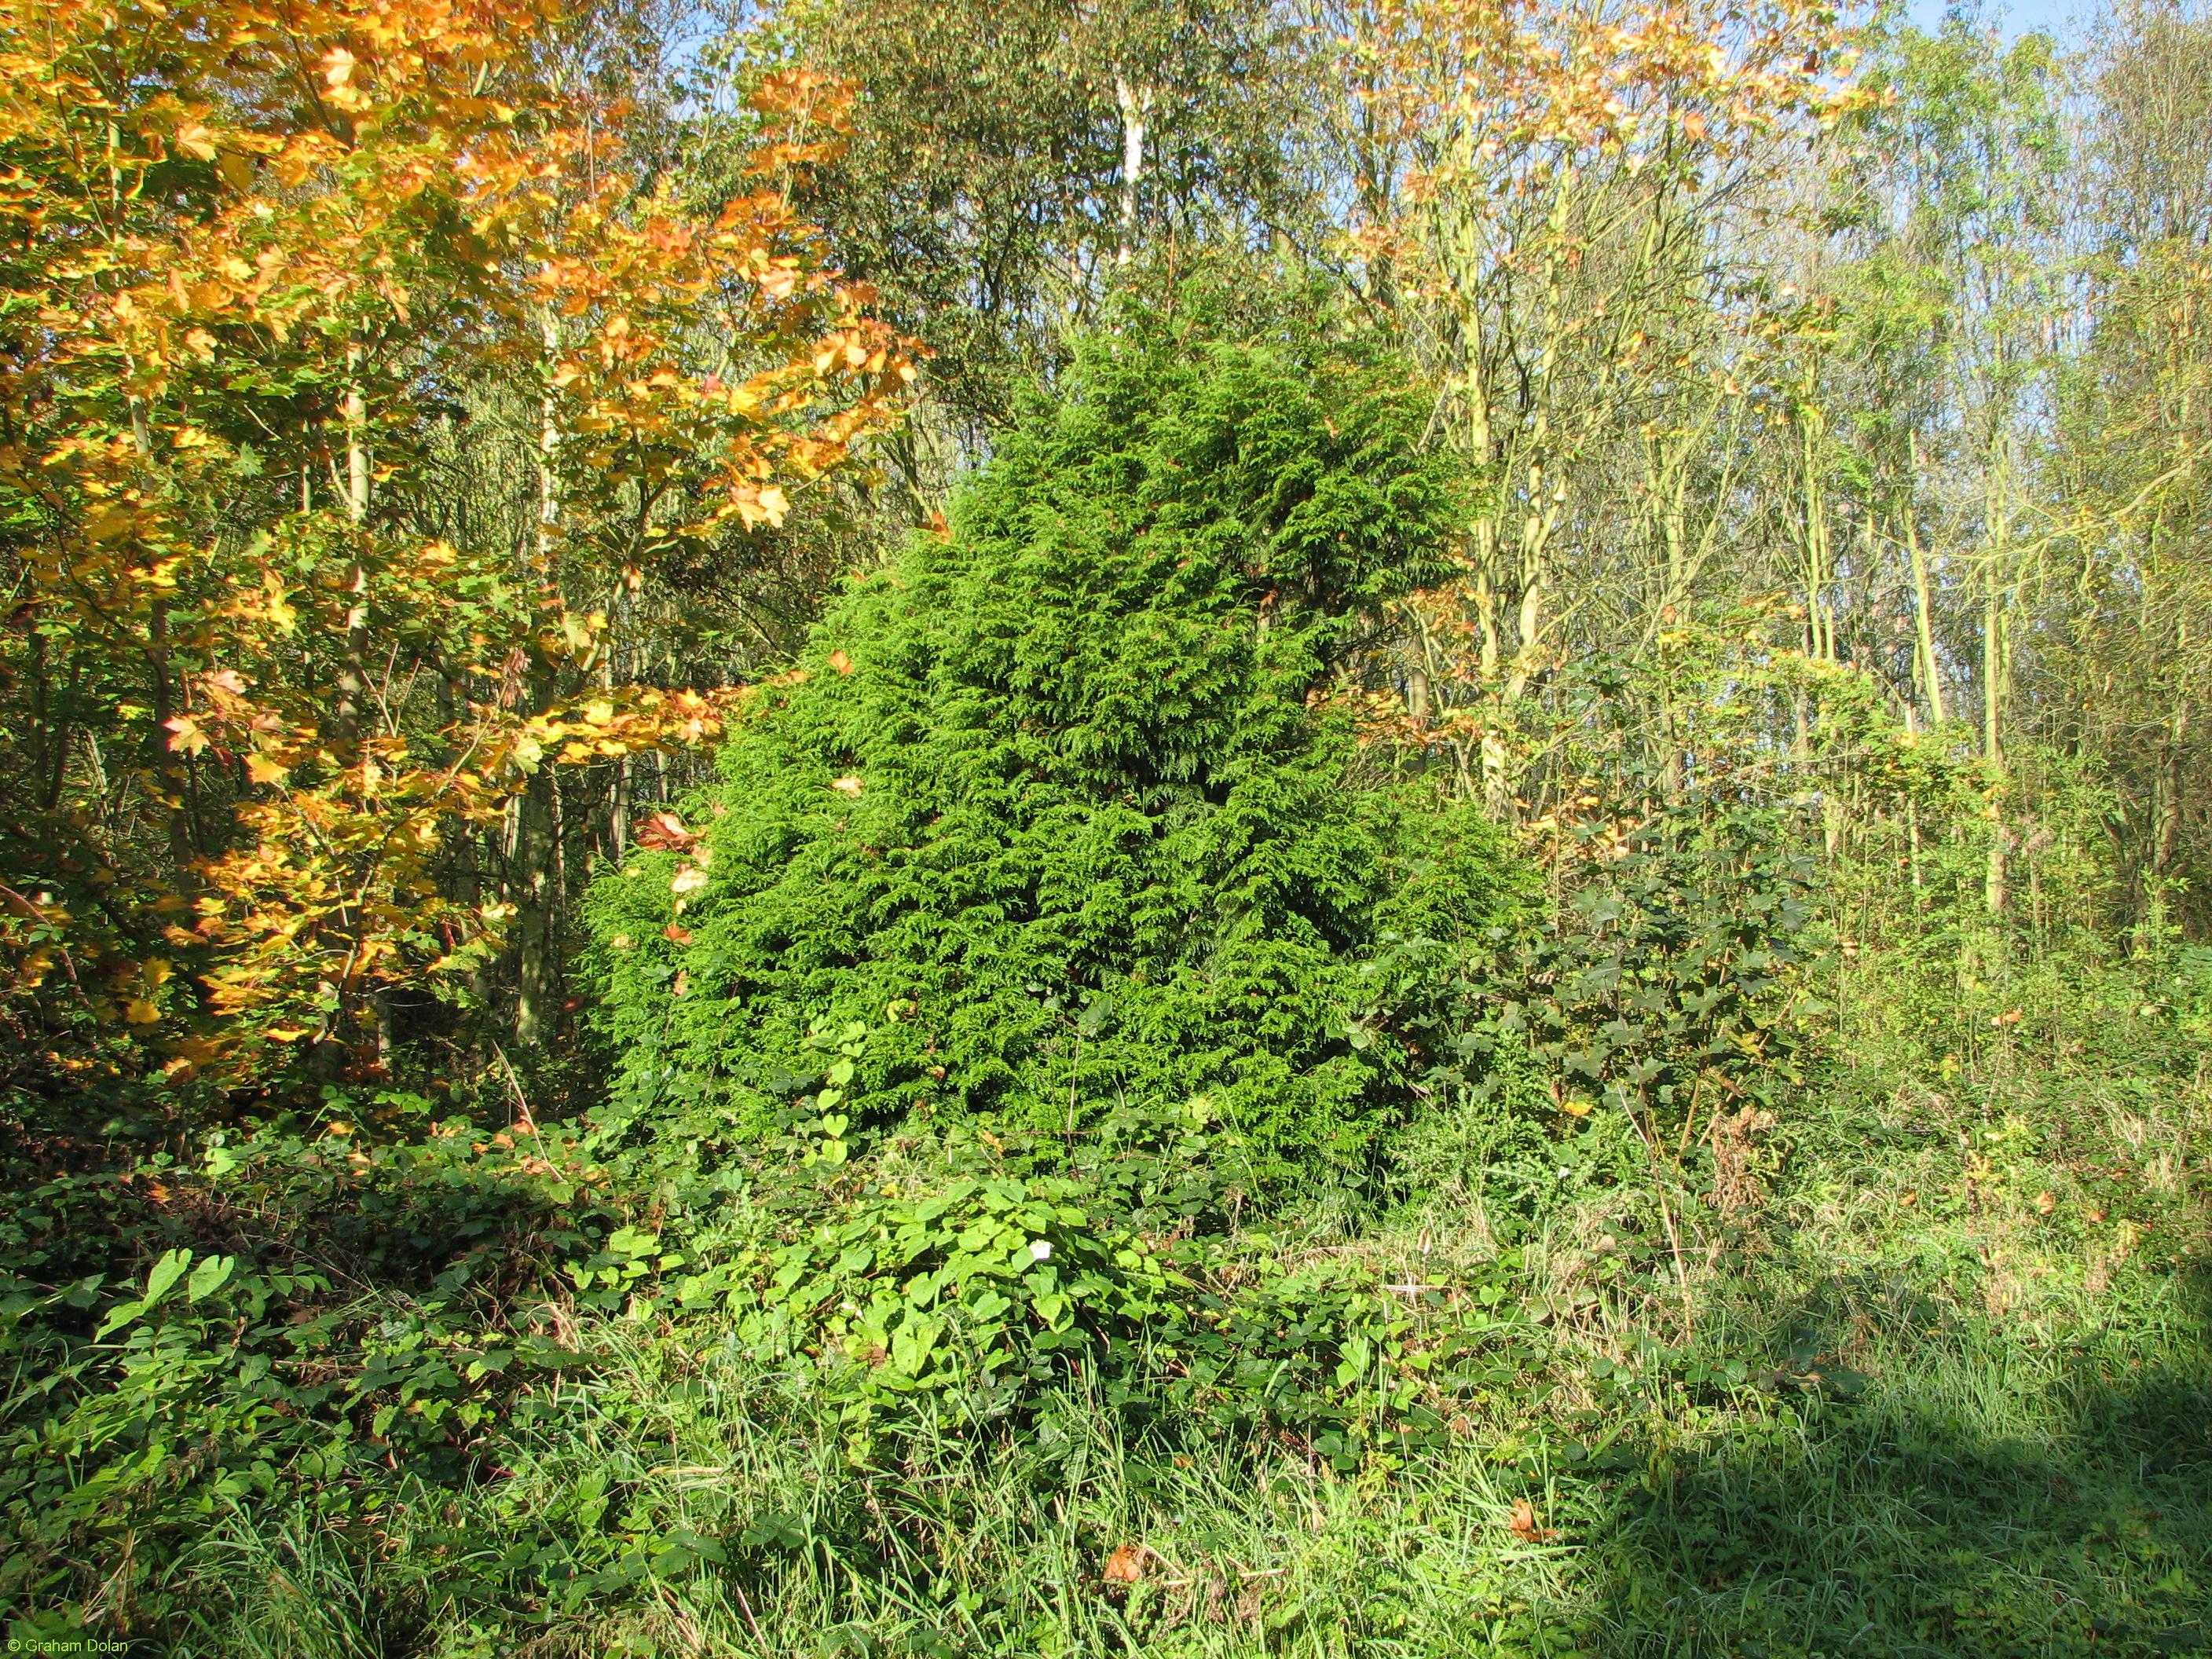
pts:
[2008, 1451]
[1923, 1368]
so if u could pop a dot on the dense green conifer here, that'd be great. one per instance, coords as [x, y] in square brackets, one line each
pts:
[1052, 812]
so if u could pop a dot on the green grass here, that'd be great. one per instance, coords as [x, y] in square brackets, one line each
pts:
[2011, 1454]
[1937, 1381]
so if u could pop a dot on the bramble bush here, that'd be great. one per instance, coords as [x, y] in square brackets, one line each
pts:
[961, 1279]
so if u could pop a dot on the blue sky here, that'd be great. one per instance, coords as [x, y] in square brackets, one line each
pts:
[2020, 16]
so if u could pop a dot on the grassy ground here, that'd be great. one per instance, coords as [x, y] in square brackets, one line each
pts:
[1947, 1390]
[1921, 1366]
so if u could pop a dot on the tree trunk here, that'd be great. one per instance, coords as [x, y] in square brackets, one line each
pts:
[1993, 880]
[1923, 601]
[531, 890]
[1135, 104]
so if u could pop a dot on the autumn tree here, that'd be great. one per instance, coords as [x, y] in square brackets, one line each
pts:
[268, 704]
[1568, 183]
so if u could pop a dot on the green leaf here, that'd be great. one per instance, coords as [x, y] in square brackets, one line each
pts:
[118, 1317]
[210, 1276]
[165, 1272]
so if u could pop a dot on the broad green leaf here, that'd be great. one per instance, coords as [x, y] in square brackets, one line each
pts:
[165, 1272]
[213, 1273]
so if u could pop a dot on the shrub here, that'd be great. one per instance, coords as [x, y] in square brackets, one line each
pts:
[1047, 806]
[965, 1291]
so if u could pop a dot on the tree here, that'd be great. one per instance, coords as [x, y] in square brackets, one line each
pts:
[1560, 233]
[260, 257]
[2127, 678]
[1047, 809]
[1007, 158]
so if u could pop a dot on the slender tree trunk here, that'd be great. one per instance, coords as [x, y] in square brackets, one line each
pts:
[1821, 636]
[357, 430]
[1922, 600]
[535, 991]
[1993, 878]
[1997, 670]
[536, 823]
[549, 438]
[162, 759]
[353, 672]
[2166, 848]
[1135, 104]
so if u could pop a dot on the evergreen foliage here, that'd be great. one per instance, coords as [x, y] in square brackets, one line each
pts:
[1050, 810]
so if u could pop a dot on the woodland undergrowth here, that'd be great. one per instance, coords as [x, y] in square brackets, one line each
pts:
[1918, 1364]
[1065, 1188]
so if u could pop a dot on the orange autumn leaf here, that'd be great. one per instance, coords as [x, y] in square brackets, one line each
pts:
[1522, 1525]
[663, 829]
[430, 211]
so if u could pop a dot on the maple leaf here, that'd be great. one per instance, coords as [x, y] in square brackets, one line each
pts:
[185, 734]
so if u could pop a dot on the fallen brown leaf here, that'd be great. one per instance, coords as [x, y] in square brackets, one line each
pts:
[1523, 1525]
[1127, 1563]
